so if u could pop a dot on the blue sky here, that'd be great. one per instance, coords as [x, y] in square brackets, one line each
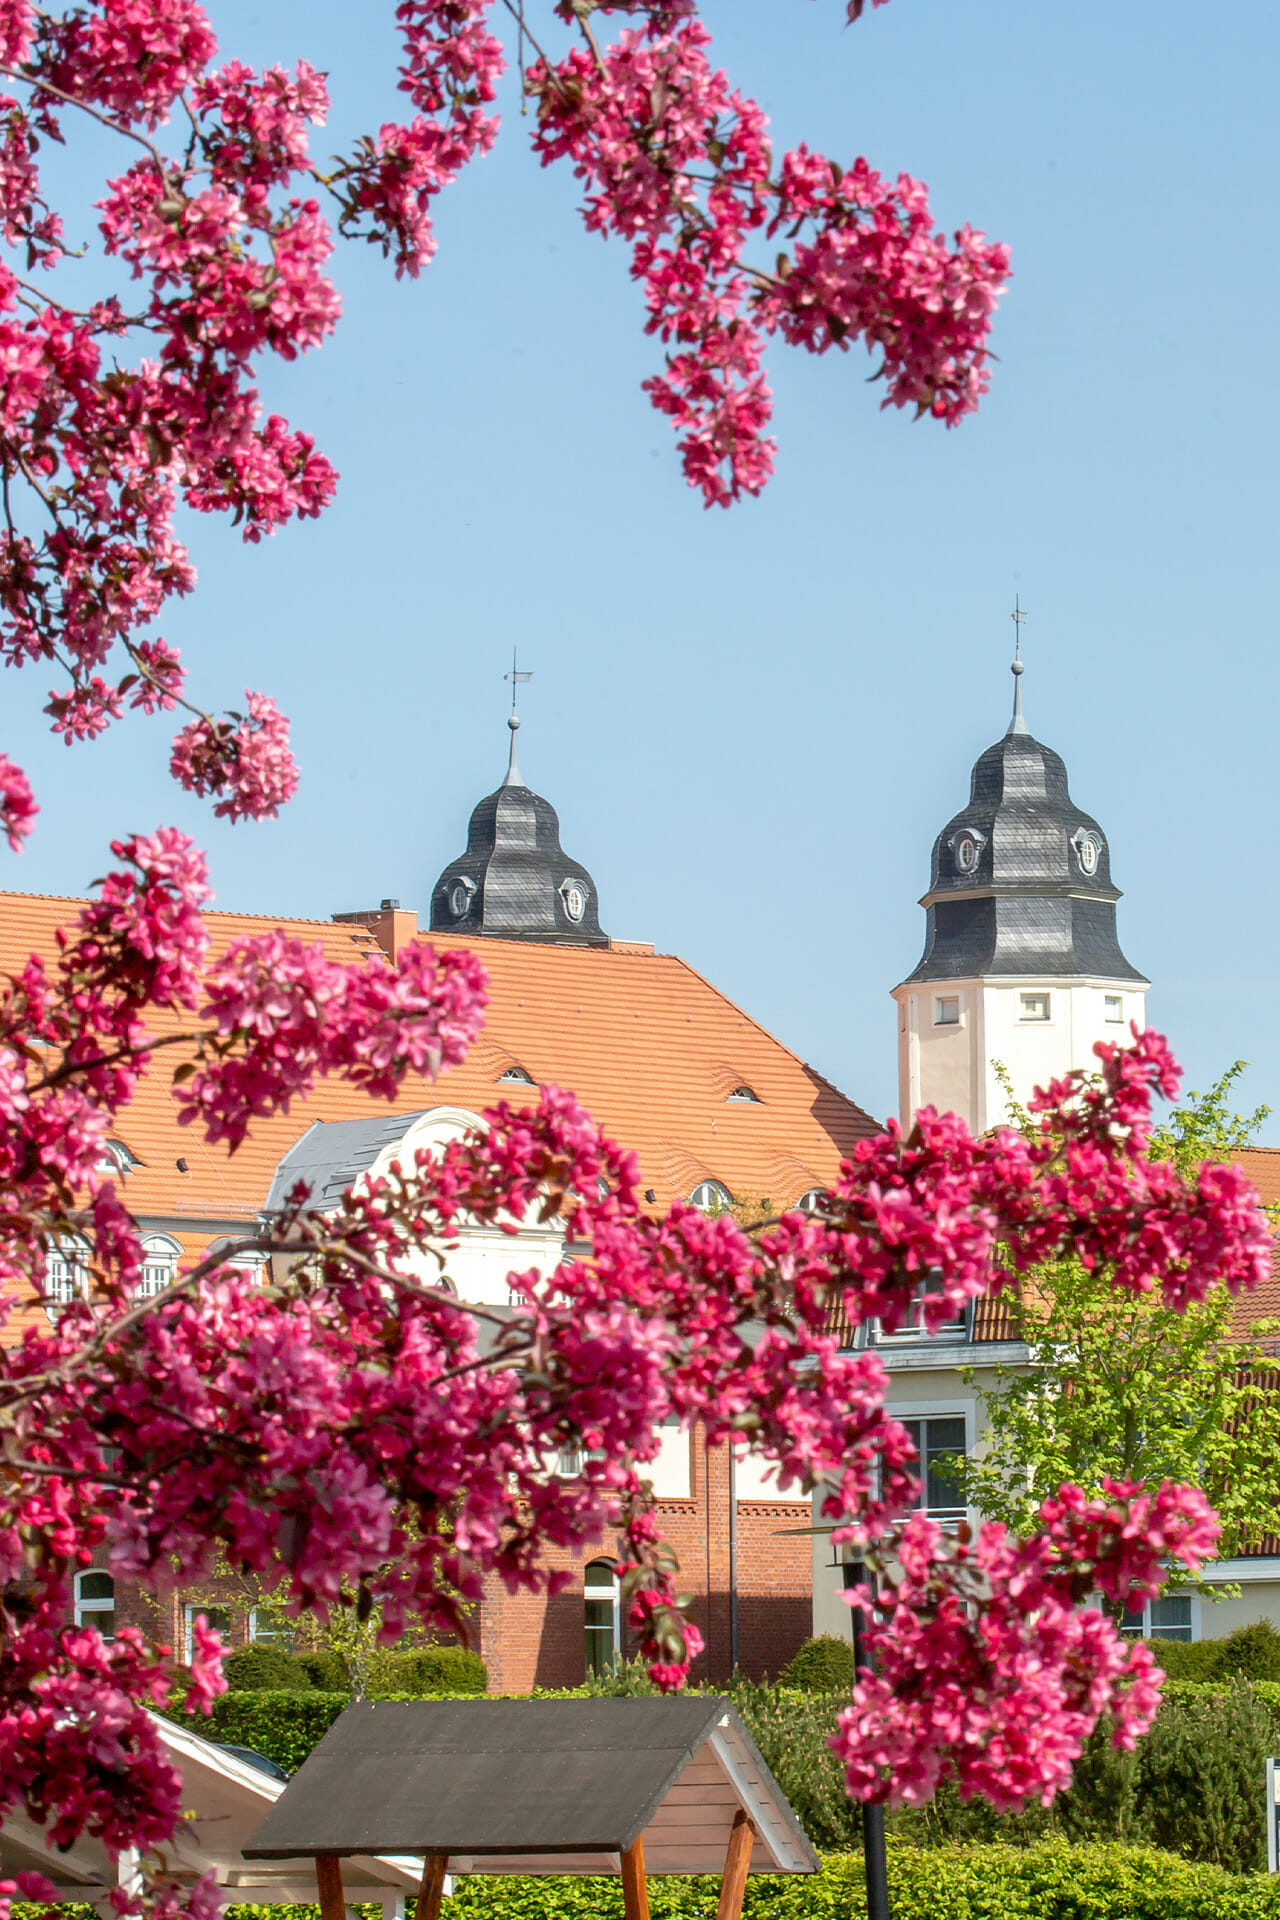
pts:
[753, 723]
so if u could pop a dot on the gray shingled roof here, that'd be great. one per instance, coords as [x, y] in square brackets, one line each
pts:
[333, 1153]
[517, 1783]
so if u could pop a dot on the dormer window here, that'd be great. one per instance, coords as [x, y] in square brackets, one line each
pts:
[516, 1077]
[711, 1197]
[811, 1202]
[117, 1158]
[743, 1096]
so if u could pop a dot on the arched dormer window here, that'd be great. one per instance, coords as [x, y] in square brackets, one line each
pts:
[711, 1196]
[811, 1202]
[160, 1257]
[743, 1096]
[602, 1616]
[516, 1077]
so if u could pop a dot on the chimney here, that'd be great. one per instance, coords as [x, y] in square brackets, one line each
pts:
[393, 928]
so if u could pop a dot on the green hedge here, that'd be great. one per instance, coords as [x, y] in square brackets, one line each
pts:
[420, 1672]
[1250, 1653]
[1052, 1881]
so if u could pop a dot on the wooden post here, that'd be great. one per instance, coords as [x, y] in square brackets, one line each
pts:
[635, 1888]
[734, 1882]
[329, 1881]
[431, 1892]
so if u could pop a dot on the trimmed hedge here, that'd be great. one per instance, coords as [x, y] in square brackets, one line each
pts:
[419, 1672]
[1052, 1881]
[1250, 1653]
[821, 1666]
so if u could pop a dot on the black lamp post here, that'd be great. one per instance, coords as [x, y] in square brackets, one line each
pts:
[875, 1862]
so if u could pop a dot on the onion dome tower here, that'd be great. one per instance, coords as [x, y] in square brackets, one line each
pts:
[1022, 964]
[514, 882]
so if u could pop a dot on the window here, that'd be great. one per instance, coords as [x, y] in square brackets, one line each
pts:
[603, 1616]
[1168, 1619]
[711, 1196]
[913, 1327]
[743, 1097]
[159, 1264]
[217, 1617]
[811, 1202]
[270, 1630]
[66, 1275]
[117, 1158]
[1034, 1006]
[946, 1010]
[1114, 1003]
[934, 1439]
[515, 1077]
[96, 1602]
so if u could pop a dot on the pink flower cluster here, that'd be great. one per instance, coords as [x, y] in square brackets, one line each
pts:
[245, 759]
[679, 164]
[991, 1670]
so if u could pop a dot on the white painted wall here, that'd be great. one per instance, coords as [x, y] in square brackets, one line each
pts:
[952, 1066]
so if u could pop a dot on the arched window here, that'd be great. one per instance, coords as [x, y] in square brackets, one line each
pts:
[516, 1077]
[96, 1602]
[711, 1197]
[602, 1598]
[66, 1274]
[811, 1202]
[159, 1264]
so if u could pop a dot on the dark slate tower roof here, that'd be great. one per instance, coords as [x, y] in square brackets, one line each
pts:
[514, 882]
[1021, 879]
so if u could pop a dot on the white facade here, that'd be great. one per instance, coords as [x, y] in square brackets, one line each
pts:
[953, 1035]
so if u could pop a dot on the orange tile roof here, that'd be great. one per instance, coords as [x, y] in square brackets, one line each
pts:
[650, 1048]
[1262, 1164]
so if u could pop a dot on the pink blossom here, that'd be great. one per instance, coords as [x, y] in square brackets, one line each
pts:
[246, 759]
[17, 804]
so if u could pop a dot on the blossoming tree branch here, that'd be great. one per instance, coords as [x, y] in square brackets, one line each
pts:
[349, 1425]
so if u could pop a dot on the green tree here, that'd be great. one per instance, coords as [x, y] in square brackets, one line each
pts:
[1121, 1386]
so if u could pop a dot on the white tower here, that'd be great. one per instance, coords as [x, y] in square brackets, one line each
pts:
[1022, 966]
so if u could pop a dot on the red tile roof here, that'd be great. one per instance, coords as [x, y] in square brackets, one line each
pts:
[651, 1049]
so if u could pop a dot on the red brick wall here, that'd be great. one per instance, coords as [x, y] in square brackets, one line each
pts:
[530, 1641]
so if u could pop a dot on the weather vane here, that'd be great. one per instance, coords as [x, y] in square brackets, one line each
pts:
[1019, 621]
[516, 678]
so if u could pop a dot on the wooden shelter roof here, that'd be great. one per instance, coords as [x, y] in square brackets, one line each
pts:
[537, 1786]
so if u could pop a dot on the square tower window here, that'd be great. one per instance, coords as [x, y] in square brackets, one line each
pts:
[1033, 1006]
[1114, 1005]
[946, 1010]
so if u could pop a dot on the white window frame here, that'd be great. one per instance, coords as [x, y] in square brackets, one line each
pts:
[191, 1611]
[89, 1607]
[160, 1256]
[953, 1330]
[1116, 1000]
[263, 1634]
[941, 1018]
[1044, 1019]
[958, 1406]
[598, 1594]
[1148, 1630]
[713, 1192]
[66, 1273]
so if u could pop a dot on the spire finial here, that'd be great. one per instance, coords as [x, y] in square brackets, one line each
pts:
[1017, 724]
[516, 678]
